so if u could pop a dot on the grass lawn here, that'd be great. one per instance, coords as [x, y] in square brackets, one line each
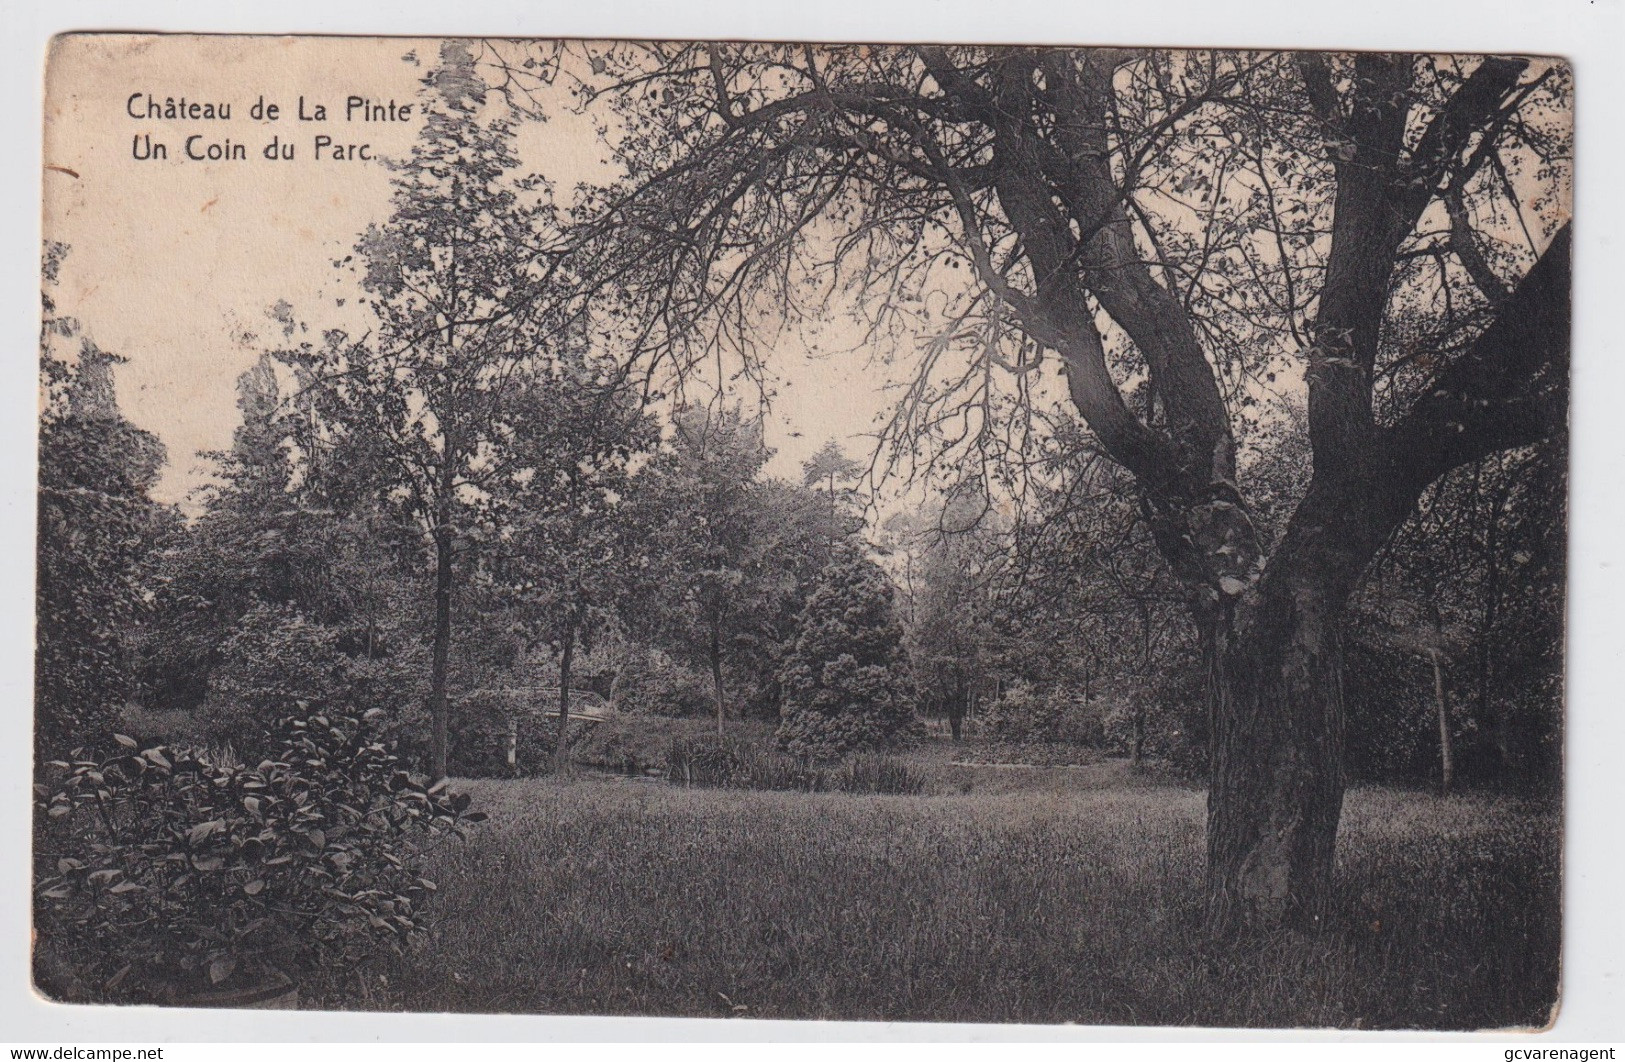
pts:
[1003, 894]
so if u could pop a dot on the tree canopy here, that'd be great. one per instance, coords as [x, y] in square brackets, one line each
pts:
[1164, 233]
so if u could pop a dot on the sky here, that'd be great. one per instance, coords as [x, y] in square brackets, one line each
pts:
[173, 263]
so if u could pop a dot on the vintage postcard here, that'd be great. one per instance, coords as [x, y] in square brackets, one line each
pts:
[939, 533]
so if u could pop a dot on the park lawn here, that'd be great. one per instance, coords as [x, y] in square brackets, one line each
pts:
[1064, 899]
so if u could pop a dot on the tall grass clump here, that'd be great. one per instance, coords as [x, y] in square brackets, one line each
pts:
[877, 774]
[721, 764]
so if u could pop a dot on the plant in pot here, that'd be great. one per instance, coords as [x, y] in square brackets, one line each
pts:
[180, 877]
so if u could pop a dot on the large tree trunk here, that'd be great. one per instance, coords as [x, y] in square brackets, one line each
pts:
[1276, 788]
[438, 709]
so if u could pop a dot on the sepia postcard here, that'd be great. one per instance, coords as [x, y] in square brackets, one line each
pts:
[943, 533]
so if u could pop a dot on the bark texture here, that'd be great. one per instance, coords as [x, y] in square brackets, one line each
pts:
[715, 654]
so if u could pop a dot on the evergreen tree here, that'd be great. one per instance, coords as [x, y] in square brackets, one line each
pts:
[573, 544]
[846, 683]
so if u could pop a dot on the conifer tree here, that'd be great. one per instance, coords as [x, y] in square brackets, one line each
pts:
[846, 683]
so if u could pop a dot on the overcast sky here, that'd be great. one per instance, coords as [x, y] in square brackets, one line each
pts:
[174, 263]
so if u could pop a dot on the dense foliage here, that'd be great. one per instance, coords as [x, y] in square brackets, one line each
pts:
[97, 529]
[1149, 240]
[162, 871]
[404, 522]
[846, 683]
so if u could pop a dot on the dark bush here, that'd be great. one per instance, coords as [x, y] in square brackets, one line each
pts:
[161, 872]
[846, 683]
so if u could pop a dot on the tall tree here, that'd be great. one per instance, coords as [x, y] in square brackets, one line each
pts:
[702, 496]
[952, 562]
[573, 542]
[1169, 229]
[425, 403]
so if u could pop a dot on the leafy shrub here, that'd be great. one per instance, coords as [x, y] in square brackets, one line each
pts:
[877, 774]
[636, 744]
[728, 764]
[276, 658]
[164, 870]
[735, 765]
